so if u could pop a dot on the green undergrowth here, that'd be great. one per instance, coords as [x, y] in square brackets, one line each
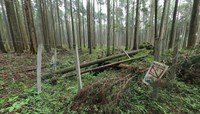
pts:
[174, 98]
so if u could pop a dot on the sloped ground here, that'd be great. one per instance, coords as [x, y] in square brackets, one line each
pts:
[111, 91]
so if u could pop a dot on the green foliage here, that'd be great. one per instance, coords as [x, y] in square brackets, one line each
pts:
[177, 97]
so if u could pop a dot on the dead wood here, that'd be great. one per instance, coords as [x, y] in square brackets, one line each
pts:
[69, 69]
[105, 66]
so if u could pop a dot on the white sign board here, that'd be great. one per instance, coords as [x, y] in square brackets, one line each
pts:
[155, 72]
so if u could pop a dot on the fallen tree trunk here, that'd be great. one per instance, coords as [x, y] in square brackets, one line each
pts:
[105, 66]
[68, 69]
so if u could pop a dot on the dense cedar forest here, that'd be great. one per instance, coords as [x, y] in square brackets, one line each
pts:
[100, 56]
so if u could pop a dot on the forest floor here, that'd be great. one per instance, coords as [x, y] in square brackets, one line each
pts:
[111, 90]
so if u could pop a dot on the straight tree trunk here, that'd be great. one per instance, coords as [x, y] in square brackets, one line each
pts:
[194, 24]
[156, 52]
[132, 26]
[2, 48]
[67, 26]
[84, 42]
[163, 32]
[53, 25]
[6, 25]
[45, 28]
[75, 45]
[108, 27]
[79, 25]
[135, 46]
[89, 27]
[172, 34]
[150, 31]
[127, 24]
[59, 24]
[12, 19]
[93, 26]
[113, 27]
[23, 35]
[100, 27]
[31, 27]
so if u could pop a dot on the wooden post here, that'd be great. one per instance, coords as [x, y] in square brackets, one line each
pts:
[156, 54]
[39, 66]
[78, 69]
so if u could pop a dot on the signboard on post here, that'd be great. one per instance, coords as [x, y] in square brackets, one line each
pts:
[155, 72]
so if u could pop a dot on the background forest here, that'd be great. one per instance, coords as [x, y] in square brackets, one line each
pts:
[95, 23]
[108, 46]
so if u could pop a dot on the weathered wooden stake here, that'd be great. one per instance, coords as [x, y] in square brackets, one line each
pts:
[39, 67]
[78, 69]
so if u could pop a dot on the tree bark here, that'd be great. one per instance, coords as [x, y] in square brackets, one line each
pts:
[113, 27]
[31, 27]
[12, 19]
[127, 25]
[93, 26]
[79, 25]
[135, 46]
[108, 27]
[59, 24]
[45, 28]
[7, 25]
[156, 52]
[2, 48]
[173, 31]
[89, 26]
[194, 24]
[53, 24]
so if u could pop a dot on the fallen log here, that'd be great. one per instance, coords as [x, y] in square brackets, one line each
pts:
[107, 65]
[68, 69]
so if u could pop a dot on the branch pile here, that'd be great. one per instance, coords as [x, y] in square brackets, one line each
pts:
[105, 94]
[190, 70]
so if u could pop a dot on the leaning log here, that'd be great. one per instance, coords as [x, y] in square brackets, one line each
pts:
[107, 65]
[69, 69]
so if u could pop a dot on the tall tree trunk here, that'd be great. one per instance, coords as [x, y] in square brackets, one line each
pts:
[72, 21]
[194, 24]
[53, 25]
[108, 27]
[59, 26]
[187, 27]
[113, 27]
[67, 26]
[31, 27]
[93, 25]
[163, 32]
[135, 46]
[45, 28]
[150, 31]
[23, 35]
[2, 48]
[132, 26]
[172, 34]
[156, 52]
[89, 26]
[157, 43]
[100, 27]
[84, 42]
[6, 25]
[15, 33]
[75, 46]
[79, 25]
[127, 24]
